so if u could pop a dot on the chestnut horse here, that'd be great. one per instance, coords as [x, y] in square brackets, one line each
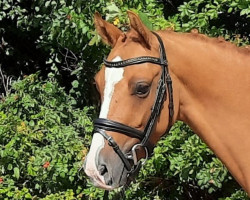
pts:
[210, 92]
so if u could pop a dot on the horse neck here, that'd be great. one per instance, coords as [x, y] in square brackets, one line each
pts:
[212, 84]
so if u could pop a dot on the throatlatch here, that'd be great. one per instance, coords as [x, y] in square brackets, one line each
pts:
[165, 83]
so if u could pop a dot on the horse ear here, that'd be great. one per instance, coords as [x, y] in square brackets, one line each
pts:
[144, 33]
[108, 32]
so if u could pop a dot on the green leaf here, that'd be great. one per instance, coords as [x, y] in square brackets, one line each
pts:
[200, 182]
[16, 172]
[71, 178]
[62, 174]
[76, 71]
[85, 29]
[210, 190]
[112, 8]
[93, 40]
[31, 123]
[49, 61]
[28, 196]
[75, 84]
[230, 10]
[9, 167]
[145, 20]
[37, 186]
[57, 60]
[242, 12]
[47, 3]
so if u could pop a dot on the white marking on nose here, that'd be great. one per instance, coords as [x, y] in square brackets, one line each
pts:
[90, 167]
[112, 77]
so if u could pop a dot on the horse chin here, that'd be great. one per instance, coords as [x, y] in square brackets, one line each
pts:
[101, 185]
[118, 176]
[114, 179]
[98, 183]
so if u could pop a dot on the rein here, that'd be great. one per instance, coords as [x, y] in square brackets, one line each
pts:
[165, 84]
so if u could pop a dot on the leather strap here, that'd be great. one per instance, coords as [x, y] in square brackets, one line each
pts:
[116, 148]
[132, 61]
[110, 125]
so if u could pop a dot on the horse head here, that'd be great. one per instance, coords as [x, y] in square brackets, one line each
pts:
[136, 103]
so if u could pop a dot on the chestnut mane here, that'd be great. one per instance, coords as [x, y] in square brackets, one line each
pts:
[219, 41]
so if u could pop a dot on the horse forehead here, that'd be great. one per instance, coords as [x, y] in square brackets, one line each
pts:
[112, 76]
[129, 49]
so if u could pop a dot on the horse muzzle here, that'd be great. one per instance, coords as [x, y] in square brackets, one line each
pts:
[111, 169]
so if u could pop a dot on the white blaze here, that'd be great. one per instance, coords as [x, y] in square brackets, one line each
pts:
[112, 77]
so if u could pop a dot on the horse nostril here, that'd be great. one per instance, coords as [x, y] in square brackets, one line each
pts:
[102, 169]
[109, 182]
[104, 172]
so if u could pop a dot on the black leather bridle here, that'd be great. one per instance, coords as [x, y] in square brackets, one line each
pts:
[165, 83]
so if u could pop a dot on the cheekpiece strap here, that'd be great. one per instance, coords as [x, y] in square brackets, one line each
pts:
[116, 148]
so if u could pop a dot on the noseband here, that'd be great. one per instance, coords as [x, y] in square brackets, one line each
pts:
[165, 83]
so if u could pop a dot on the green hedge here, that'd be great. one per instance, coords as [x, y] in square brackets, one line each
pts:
[42, 140]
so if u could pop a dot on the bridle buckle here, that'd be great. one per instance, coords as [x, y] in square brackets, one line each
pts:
[134, 155]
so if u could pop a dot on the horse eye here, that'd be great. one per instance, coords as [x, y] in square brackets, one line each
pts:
[142, 89]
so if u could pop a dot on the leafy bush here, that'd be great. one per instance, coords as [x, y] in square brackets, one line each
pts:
[42, 140]
[56, 35]
[229, 18]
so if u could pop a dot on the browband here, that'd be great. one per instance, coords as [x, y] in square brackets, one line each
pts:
[132, 61]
